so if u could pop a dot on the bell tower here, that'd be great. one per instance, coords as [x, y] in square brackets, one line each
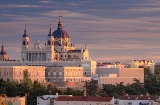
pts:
[50, 46]
[25, 46]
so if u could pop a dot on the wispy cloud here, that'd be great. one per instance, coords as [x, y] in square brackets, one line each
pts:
[19, 6]
[144, 9]
[44, 1]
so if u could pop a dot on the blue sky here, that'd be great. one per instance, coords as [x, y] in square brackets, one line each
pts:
[114, 30]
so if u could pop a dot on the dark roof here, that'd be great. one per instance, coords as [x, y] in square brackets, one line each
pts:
[60, 33]
[82, 98]
[74, 50]
[25, 34]
[136, 97]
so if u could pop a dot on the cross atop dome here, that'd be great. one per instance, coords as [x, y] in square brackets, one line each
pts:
[60, 23]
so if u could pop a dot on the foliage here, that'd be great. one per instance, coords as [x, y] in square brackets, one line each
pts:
[151, 85]
[91, 87]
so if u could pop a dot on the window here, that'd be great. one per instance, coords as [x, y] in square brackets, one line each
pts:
[48, 73]
[129, 103]
[54, 73]
[60, 73]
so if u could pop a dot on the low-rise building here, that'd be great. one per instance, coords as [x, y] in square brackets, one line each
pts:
[82, 100]
[48, 99]
[117, 75]
[137, 100]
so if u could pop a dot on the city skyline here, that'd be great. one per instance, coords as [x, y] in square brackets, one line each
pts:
[112, 30]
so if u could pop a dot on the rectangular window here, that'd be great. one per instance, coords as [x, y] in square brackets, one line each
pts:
[60, 73]
[54, 73]
[129, 103]
[48, 73]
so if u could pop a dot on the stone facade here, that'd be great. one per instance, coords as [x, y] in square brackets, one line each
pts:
[66, 76]
[15, 73]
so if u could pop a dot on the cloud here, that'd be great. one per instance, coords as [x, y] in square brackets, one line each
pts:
[44, 1]
[73, 4]
[18, 6]
[144, 9]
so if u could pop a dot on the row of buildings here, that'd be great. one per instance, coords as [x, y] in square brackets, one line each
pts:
[61, 63]
[97, 100]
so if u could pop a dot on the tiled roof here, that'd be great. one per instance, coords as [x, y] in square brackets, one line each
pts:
[82, 98]
[136, 97]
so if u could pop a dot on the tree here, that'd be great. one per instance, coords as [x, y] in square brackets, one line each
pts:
[91, 87]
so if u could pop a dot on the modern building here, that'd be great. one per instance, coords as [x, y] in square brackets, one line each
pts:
[82, 100]
[117, 75]
[141, 63]
[138, 100]
[16, 73]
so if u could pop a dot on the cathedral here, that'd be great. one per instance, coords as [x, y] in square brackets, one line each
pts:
[57, 48]
[59, 61]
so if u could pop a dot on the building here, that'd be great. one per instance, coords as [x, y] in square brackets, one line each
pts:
[117, 75]
[141, 63]
[138, 100]
[48, 99]
[66, 76]
[111, 65]
[11, 100]
[82, 100]
[3, 54]
[58, 51]
[16, 73]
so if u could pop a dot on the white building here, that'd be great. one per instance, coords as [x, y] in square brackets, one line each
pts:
[137, 100]
[82, 100]
[48, 99]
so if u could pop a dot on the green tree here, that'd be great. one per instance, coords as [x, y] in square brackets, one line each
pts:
[91, 87]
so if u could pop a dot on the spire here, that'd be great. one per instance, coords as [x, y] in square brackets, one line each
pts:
[25, 33]
[50, 31]
[60, 23]
[25, 29]
[2, 48]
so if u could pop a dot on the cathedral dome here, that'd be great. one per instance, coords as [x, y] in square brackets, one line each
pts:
[60, 33]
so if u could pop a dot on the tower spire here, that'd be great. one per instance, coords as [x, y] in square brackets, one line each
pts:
[50, 31]
[25, 29]
[60, 16]
[60, 23]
